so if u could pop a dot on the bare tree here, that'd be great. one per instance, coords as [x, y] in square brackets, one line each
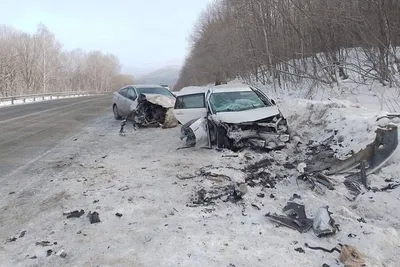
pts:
[37, 63]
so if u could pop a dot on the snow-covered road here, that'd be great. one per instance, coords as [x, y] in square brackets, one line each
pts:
[136, 176]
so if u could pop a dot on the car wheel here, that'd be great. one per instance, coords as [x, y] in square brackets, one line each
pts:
[116, 114]
[222, 140]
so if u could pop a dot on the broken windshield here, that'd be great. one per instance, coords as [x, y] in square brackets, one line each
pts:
[236, 101]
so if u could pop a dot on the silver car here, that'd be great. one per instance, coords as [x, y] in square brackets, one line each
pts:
[126, 98]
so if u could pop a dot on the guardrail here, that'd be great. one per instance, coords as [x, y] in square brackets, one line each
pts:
[54, 95]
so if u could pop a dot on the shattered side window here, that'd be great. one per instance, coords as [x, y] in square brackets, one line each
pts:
[190, 101]
[235, 101]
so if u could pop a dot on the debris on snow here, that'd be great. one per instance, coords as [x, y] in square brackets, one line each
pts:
[351, 257]
[61, 253]
[295, 217]
[74, 214]
[301, 167]
[22, 234]
[124, 188]
[323, 223]
[11, 239]
[94, 217]
[43, 243]
[300, 250]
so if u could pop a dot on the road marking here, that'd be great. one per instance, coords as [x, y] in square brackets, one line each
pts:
[47, 110]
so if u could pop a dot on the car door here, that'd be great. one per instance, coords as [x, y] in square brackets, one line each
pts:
[120, 101]
[189, 107]
[131, 100]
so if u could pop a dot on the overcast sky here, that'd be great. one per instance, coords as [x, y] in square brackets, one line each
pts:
[144, 34]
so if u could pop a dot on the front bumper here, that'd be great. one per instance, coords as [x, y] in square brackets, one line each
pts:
[251, 138]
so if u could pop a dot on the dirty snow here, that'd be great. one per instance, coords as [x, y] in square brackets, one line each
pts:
[136, 176]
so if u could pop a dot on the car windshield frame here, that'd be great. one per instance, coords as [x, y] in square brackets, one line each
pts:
[155, 90]
[236, 101]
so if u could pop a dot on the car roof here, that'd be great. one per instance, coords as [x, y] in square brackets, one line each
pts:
[192, 90]
[214, 89]
[147, 86]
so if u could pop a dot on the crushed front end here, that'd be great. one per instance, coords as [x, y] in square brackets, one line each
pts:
[269, 133]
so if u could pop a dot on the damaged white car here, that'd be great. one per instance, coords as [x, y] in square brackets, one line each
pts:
[230, 116]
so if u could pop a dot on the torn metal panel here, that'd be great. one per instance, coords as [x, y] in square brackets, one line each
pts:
[375, 154]
[296, 218]
[323, 223]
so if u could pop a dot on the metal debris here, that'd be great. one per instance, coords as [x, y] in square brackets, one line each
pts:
[323, 223]
[74, 214]
[295, 217]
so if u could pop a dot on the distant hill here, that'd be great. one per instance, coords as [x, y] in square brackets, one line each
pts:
[167, 75]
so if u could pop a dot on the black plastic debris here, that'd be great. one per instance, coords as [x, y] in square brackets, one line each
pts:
[49, 252]
[295, 217]
[263, 179]
[255, 206]
[323, 223]
[74, 214]
[295, 196]
[43, 243]
[261, 195]
[22, 234]
[390, 186]
[233, 192]
[94, 217]
[11, 239]
[119, 215]
[300, 250]
[352, 235]
[361, 220]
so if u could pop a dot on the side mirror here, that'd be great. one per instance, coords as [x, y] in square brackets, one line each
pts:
[273, 102]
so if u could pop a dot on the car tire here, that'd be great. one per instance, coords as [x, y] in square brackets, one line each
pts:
[222, 140]
[116, 113]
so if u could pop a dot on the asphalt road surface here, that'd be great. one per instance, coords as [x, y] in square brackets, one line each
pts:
[28, 131]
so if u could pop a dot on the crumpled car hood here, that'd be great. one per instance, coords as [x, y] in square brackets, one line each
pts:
[162, 100]
[246, 115]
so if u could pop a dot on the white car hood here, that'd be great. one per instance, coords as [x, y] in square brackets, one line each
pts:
[162, 100]
[246, 115]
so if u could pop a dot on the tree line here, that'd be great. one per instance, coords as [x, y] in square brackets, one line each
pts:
[37, 63]
[289, 41]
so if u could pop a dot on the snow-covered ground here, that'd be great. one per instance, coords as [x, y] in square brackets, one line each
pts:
[136, 176]
[37, 99]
